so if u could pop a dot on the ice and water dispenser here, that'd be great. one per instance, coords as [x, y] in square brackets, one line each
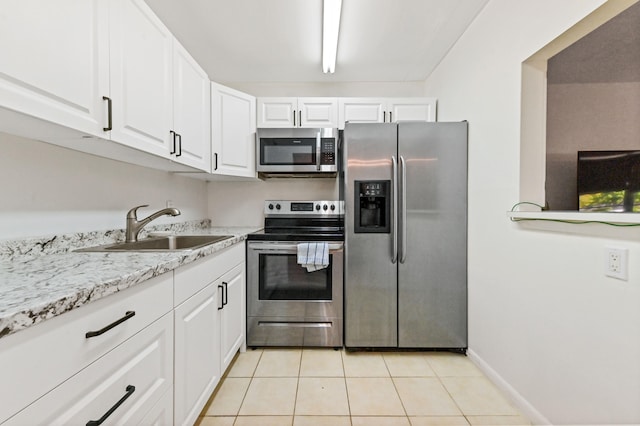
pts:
[372, 206]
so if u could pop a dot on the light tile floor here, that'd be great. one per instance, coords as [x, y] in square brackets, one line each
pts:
[316, 387]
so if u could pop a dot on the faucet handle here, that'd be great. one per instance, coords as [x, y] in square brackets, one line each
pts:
[131, 214]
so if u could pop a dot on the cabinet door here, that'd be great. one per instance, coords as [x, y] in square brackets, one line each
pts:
[277, 112]
[412, 109]
[54, 61]
[361, 110]
[197, 354]
[191, 111]
[141, 77]
[232, 314]
[318, 112]
[233, 125]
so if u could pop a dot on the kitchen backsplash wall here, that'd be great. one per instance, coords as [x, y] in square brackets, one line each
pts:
[50, 190]
[242, 203]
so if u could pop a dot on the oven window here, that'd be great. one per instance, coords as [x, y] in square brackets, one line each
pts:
[282, 278]
[276, 152]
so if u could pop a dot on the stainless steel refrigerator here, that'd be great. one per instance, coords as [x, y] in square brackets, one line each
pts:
[405, 192]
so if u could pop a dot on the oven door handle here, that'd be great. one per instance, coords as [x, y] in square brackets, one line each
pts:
[333, 246]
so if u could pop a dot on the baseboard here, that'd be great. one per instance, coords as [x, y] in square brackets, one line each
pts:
[528, 410]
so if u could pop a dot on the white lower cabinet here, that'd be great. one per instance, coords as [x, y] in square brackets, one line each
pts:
[162, 412]
[232, 314]
[44, 356]
[121, 387]
[197, 354]
[209, 327]
[152, 354]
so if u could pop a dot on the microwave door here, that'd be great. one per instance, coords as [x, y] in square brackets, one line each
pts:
[288, 154]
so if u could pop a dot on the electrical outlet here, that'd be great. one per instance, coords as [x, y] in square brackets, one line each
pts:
[616, 262]
[170, 204]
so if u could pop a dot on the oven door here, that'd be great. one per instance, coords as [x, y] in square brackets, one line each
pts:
[277, 286]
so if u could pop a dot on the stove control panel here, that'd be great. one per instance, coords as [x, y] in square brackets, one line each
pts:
[299, 208]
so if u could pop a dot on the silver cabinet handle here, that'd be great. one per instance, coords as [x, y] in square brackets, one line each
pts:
[394, 175]
[403, 208]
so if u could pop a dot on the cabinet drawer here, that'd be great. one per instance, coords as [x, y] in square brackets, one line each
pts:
[195, 276]
[43, 356]
[131, 379]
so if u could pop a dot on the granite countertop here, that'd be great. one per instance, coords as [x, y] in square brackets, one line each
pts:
[40, 279]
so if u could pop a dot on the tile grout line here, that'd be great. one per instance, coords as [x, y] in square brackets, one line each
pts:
[395, 388]
[253, 373]
[447, 390]
[295, 400]
[346, 387]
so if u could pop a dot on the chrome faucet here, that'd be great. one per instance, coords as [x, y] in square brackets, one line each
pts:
[134, 226]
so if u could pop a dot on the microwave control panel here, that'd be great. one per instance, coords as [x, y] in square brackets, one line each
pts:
[328, 151]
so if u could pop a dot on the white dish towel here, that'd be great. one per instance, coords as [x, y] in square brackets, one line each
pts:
[313, 256]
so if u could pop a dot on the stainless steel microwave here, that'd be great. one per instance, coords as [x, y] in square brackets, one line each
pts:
[295, 152]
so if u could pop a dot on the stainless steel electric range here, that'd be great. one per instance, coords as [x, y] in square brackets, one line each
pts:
[288, 305]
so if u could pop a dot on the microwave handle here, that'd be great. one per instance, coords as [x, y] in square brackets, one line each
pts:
[318, 150]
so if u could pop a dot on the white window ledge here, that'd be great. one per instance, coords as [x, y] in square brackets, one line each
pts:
[617, 226]
[577, 217]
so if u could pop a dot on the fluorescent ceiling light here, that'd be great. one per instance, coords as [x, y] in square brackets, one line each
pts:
[330, 29]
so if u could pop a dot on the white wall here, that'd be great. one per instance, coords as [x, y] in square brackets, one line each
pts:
[372, 89]
[543, 318]
[50, 190]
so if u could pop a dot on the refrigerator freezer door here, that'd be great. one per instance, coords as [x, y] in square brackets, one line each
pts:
[432, 280]
[370, 275]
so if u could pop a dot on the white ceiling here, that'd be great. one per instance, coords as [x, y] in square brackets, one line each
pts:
[281, 40]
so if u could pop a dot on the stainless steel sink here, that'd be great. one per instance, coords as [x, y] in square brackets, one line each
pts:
[170, 243]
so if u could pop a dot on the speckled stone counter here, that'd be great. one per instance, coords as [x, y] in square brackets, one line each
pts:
[43, 278]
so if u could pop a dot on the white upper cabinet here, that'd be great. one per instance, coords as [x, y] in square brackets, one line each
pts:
[386, 110]
[54, 61]
[298, 112]
[141, 78]
[233, 129]
[411, 109]
[160, 95]
[362, 110]
[191, 111]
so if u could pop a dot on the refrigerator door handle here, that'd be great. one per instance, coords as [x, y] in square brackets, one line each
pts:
[394, 224]
[403, 209]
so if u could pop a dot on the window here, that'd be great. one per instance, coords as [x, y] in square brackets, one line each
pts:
[580, 92]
